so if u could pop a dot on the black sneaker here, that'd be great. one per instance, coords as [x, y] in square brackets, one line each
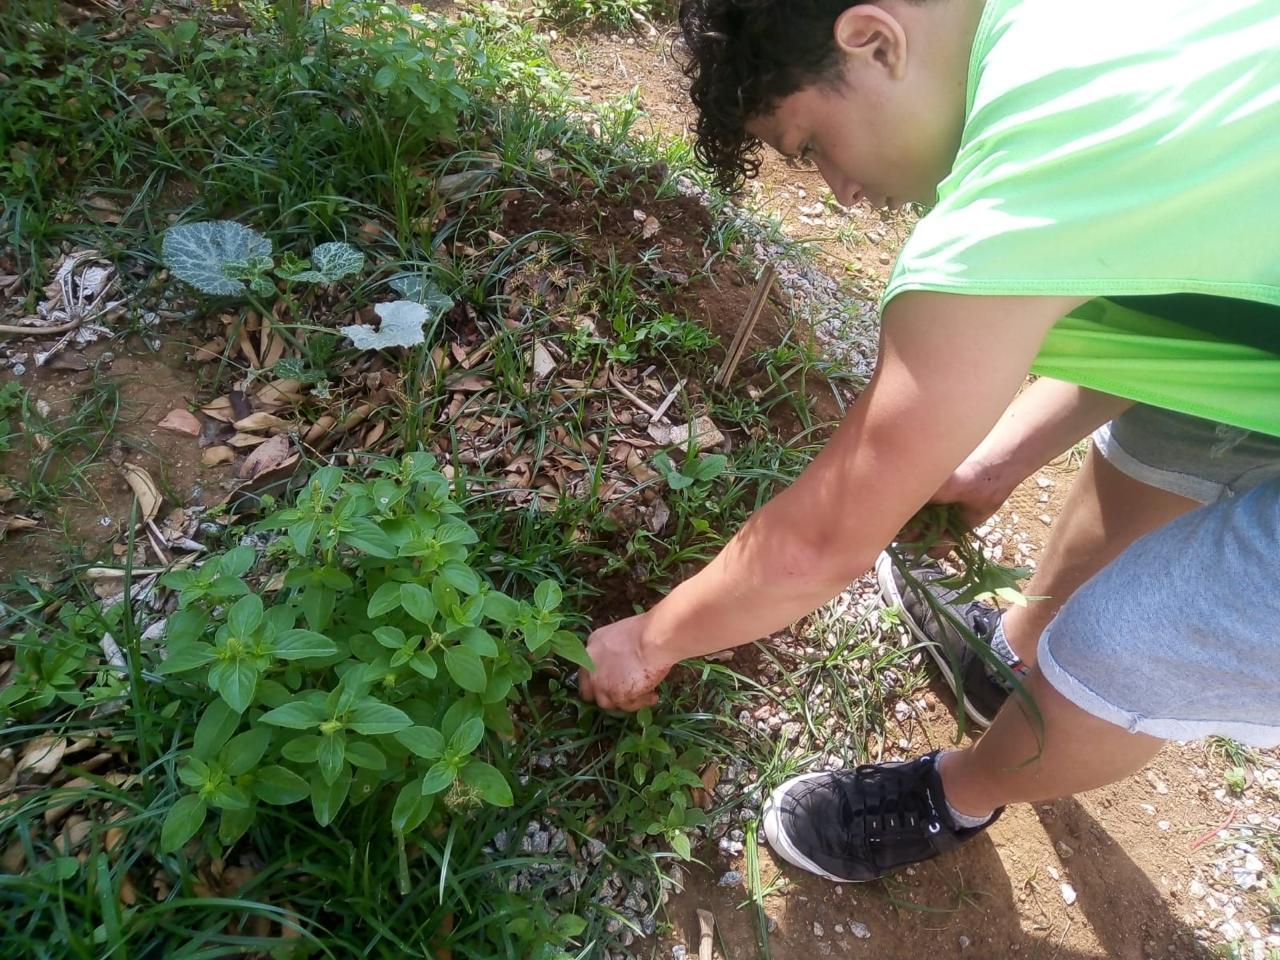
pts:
[978, 687]
[856, 825]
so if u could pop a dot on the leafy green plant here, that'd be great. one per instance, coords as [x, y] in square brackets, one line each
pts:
[379, 667]
[11, 400]
[225, 258]
[50, 665]
[693, 470]
[657, 782]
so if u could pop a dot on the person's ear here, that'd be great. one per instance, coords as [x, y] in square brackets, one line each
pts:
[870, 35]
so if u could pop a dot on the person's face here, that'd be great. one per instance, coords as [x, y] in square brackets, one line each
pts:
[885, 130]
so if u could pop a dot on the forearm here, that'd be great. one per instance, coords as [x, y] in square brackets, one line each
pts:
[1045, 420]
[920, 416]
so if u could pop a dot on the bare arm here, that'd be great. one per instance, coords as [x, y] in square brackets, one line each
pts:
[921, 415]
[1046, 419]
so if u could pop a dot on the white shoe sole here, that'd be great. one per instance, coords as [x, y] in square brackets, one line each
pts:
[777, 837]
[892, 597]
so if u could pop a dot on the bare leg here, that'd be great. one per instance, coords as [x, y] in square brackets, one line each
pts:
[1104, 513]
[1010, 764]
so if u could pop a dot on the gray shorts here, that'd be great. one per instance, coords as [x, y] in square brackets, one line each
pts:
[1179, 637]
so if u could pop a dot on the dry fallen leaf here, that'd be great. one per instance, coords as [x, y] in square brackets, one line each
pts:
[649, 226]
[42, 756]
[320, 429]
[279, 392]
[542, 362]
[704, 796]
[219, 409]
[181, 421]
[262, 422]
[145, 489]
[213, 456]
[246, 440]
[271, 455]
[704, 431]
[14, 523]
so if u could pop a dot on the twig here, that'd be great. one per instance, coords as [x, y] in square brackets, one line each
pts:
[618, 385]
[1231, 818]
[670, 399]
[34, 331]
[747, 326]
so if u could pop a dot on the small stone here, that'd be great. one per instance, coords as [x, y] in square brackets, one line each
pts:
[1043, 482]
[964, 943]
[730, 878]
[1064, 851]
[817, 930]
[1253, 864]
[678, 952]
[1163, 824]
[839, 928]
[1196, 890]
[1046, 519]
[1053, 874]
[860, 930]
[771, 922]
[1148, 809]
[1068, 894]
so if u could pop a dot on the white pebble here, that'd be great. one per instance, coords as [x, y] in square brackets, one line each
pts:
[1068, 894]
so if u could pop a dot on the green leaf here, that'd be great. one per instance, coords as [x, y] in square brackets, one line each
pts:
[371, 717]
[569, 925]
[411, 807]
[184, 31]
[547, 595]
[235, 680]
[244, 751]
[478, 640]
[327, 798]
[298, 644]
[467, 737]
[245, 615]
[317, 605]
[488, 782]
[331, 262]
[233, 824]
[329, 756]
[186, 657]
[185, 627]
[194, 773]
[365, 755]
[439, 777]
[392, 638]
[502, 609]
[385, 599]
[298, 715]
[466, 668]
[228, 796]
[571, 648]
[367, 537]
[680, 845]
[302, 749]
[417, 602]
[198, 253]
[425, 742]
[460, 577]
[182, 821]
[279, 786]
[423, 663]
[215, 728]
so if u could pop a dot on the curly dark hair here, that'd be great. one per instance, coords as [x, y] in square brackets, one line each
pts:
[742, 57]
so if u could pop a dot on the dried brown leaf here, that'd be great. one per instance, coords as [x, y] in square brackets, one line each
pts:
[279, 392]
[262, 423]
[320, 429]
[145, 489]
[213, 456]
[246, 440]
[42, 755]
[271, 455]
[181, 421]
[219, 409]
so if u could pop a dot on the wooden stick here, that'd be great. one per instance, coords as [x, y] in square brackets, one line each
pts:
[706, 929]
[748, 325]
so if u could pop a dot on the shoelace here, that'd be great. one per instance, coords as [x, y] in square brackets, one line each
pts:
[884, 799]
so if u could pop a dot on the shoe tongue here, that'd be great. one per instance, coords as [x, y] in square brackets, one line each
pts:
[982, 618]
